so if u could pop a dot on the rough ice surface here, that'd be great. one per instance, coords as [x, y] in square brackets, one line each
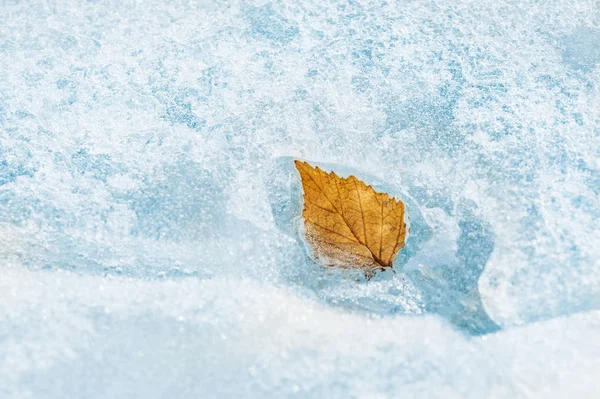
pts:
[149, 209]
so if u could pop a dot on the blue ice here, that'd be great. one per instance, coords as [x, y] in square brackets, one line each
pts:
[150, 210]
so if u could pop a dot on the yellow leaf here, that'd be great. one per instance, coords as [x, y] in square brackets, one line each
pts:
[348, 223]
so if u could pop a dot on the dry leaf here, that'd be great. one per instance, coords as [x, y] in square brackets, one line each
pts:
[348, 223]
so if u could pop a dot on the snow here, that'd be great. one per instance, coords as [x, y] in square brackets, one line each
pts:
[149, 209]
[81, 336]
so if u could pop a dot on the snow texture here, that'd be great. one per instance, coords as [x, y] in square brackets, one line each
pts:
[150, 231]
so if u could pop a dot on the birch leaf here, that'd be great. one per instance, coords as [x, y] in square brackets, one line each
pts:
[348, 223]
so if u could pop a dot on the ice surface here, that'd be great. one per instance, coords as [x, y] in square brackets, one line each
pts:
[149, 208]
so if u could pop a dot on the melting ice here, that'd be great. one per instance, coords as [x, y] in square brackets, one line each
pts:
[149, 207]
